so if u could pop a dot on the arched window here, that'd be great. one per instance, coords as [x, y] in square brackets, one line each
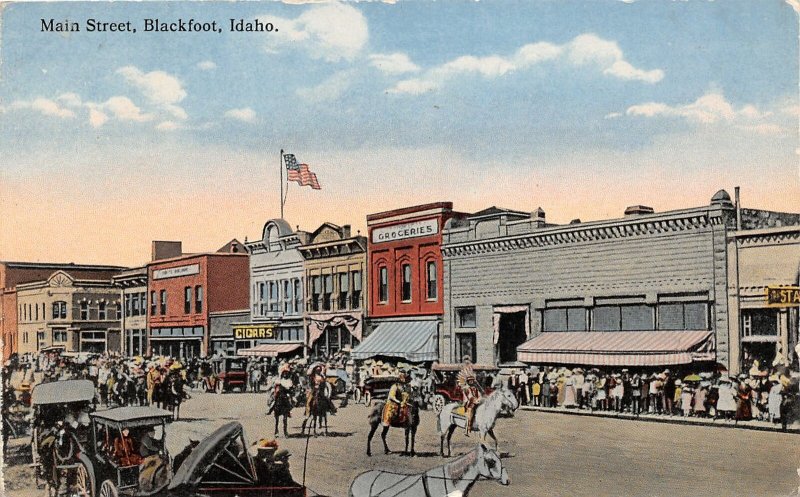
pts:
[406, 278]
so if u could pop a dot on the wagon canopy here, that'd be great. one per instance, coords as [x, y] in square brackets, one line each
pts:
[218, 450]
[130, 417]
[63, 392]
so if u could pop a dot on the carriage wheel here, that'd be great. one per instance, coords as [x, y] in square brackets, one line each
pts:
[367, 399]
[438, 403]
[108, 489]
[83, 482]
[357, 395]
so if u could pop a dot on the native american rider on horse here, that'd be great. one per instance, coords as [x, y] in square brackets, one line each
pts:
[396, 410]
[472, 394]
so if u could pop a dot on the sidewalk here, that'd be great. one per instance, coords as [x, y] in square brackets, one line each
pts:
[657, 418]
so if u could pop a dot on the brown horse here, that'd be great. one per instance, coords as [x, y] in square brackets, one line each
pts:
[408, 422]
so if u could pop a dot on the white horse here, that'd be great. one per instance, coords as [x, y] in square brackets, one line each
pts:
[485, 417]
[454, 478]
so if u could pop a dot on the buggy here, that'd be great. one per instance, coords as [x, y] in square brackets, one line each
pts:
[230, 372]
[445, 383]
[376, 387]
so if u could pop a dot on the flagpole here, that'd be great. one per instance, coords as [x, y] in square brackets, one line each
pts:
[281, 197]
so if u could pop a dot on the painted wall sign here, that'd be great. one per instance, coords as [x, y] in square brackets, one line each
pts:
[407, 230]
[174, 272]
[783, 296]
[253, 332]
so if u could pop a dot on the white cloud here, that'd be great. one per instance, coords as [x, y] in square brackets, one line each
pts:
[712, 108]
[245, 114]
[583, 50]
[206, 65]
[157, 86]
[393, 63]
[124, 109]
[168, 126]
[70, 99]
[330, 89]
[792, 110]
[44, 106]
[97, 118]
[330, 32]
[613, 115]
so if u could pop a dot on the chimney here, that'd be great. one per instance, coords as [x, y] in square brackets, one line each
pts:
[165, 250]
[637, 210]
[538, 217]
[346, 231]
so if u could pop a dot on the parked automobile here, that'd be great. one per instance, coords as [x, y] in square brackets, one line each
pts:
[230, 373]
[446, 388]
[376, 387]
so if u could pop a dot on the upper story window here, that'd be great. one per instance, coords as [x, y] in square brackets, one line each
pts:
[262, 297]
[198, 299]
[383, 284]
[355, 294]
[683, 316]
[623, 317]
[84, 311]
[298, 295]
[60, 310]
[101, 311]
[288, 299]
[564, 319]
[406, 289]
[430, 269]
[163, 302]
[344, 290]
[153, 303]
[118, 311]
[327, 291]
[187, 300]
[274, 302]
[316, 291]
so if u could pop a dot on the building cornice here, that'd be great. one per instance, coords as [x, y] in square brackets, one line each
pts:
[766, 236]
[679, 221]
[333, 248]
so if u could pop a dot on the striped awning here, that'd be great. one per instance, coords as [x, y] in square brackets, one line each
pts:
[414, 341]
[270, 349]
[618, 348]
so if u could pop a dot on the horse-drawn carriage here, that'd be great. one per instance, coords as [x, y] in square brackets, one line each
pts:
[375, 387]
[446, 387]
[60, 426]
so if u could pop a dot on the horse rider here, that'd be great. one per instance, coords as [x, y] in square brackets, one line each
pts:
[472, 398]
[315, 379]
[397, 400]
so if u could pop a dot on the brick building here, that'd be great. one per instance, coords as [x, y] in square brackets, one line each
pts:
[405, 282]
[183, 291]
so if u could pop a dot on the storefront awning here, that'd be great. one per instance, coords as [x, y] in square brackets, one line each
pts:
[618, 348]
[270, 349]
[414, 341]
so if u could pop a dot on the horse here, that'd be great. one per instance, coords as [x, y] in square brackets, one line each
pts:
[318, 408]
[409, 424]
[454, 478]
[254, 380]
[485, 417]
[280, 405]
[175, 395]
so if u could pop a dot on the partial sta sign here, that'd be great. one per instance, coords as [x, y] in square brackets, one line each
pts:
[783, 296]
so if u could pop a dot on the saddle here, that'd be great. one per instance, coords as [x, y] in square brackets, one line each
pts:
[400, 420]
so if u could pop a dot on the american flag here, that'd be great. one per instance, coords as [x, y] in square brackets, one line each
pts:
[300, 172]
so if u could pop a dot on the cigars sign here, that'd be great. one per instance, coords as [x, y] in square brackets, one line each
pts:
[253, 332]
[407, 230]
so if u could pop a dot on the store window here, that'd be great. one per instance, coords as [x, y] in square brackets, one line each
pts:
[430, 269]
[466, 345]
[759, 322]
[466, 317]
[406, 278]
[683, 316]
[623, 317]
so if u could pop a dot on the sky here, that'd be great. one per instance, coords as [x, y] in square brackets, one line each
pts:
[111, 140]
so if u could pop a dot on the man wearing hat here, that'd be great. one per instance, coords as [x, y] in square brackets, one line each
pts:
[472, 398]
[396, 401]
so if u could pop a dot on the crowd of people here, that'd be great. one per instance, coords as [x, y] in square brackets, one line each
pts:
[759, 394]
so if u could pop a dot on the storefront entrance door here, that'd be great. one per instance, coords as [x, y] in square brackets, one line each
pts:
[512, 335]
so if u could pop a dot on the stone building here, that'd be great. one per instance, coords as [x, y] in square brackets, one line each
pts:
[335, 277]
[133, 293]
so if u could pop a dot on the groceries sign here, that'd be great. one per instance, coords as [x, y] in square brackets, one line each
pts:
[783, 296]
[407, 230]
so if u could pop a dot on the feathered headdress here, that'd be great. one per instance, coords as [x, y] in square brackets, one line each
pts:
[466, 374]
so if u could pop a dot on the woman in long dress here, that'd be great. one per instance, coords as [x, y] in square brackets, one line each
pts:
[775, 397]
[726, 404]
[686, 399]
[744, 411]
[570, 393]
